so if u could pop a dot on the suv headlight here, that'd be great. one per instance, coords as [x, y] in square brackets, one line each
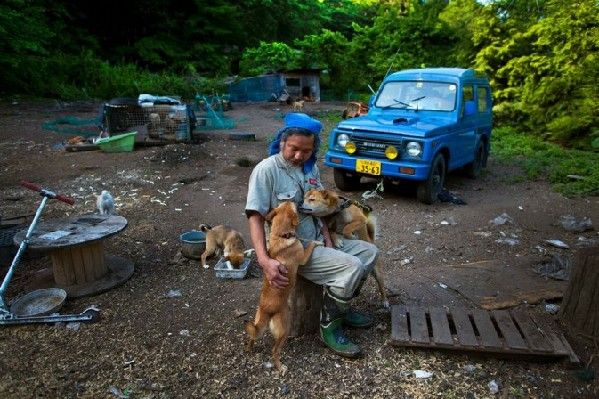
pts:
[342, 140]
[414, 149]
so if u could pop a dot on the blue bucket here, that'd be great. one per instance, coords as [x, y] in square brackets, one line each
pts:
[193, 244]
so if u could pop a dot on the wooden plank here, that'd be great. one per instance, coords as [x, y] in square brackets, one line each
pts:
[440, 324]
[534, 337]
[399, 324]
[508, 329]
[489, 338]
[463, 327]
[418, 326]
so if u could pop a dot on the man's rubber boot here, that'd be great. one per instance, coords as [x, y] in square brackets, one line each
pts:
[331, 331]
[356, 319]
[335, 339]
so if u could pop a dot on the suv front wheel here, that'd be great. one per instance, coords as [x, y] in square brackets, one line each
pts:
[428, 191]
[346, 181]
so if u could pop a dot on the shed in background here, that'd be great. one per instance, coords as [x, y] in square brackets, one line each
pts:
[297, 84]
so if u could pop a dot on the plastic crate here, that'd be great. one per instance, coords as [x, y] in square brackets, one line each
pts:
[118, 143]
[223, 270]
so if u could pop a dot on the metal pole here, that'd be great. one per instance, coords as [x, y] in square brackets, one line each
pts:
[22, 248]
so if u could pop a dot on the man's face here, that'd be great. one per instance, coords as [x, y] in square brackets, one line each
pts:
[298, 149]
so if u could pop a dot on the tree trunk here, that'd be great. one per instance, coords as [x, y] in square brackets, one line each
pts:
[580, 306]
[305, 303]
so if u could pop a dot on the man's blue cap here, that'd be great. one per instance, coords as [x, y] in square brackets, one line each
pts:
[299, 121]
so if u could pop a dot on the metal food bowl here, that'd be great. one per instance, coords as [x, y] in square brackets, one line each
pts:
[193, 244]
[39, 302]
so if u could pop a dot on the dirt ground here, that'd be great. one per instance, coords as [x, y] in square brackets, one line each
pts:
[150, 345]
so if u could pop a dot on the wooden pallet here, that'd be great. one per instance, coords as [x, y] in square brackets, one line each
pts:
[510, 333]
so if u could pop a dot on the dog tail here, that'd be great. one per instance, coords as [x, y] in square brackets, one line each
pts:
[205, 227]
[372, 227]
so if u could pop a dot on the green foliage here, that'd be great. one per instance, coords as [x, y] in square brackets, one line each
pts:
[571, 172]
[269, 57]
[546, 74]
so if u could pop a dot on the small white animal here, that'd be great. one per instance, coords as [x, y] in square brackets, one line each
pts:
[105, 203]
[298, 105]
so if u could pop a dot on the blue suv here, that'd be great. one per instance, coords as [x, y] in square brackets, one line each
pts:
[421, 124]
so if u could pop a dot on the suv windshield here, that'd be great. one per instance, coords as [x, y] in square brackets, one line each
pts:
[419, 95]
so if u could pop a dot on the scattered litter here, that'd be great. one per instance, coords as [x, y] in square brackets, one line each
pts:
[73, 326]
[551, 308]
[470, 368]
[184, 333]
[381, 327]
[558, 268]
[502, 219]
[570, 223]
[450, 221]
[442, 286]
[485, 234]
[428, 250]
[446, 196]
[558, 244]
[406, 261]
[118, 393]
[584, 242]
[173, 294]
[418, 232]
[239, 312]
[509, 241]
[267, 365]
[493, 387]
[422, 374]
[575, 177]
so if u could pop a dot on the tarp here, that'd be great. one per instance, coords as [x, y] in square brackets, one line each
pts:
[259, 88]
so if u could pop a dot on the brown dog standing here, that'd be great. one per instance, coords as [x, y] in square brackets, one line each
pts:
[273, 309]
[226, 239]
[347, 218]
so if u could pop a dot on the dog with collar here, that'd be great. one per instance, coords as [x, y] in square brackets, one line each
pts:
[347, 218]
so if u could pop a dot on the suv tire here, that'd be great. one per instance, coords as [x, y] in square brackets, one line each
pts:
[346, 181]
[475, 168]
[428, 191]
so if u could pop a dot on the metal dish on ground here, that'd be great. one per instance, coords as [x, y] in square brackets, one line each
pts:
[39, 302]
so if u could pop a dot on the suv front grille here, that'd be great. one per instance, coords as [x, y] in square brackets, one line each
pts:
[374, 146]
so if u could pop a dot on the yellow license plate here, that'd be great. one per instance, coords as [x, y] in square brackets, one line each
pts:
[368, 166]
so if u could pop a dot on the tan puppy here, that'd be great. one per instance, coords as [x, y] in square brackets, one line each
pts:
[273, 309]
[226, 239]
[345, 217]
[298, 105]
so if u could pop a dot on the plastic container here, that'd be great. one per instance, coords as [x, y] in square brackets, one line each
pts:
[193, 244]
[119, 143]
[223, 269]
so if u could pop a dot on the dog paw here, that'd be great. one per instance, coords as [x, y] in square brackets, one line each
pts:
[319, 243]
[338, 243]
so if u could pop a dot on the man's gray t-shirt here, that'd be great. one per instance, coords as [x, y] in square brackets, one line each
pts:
[273, 181]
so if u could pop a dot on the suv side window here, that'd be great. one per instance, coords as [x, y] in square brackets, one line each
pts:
[483, 99]
[467, 95]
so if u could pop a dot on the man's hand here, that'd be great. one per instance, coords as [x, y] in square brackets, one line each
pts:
[275, 272]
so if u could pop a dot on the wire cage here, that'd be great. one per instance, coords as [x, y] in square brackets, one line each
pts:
[152, 121]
